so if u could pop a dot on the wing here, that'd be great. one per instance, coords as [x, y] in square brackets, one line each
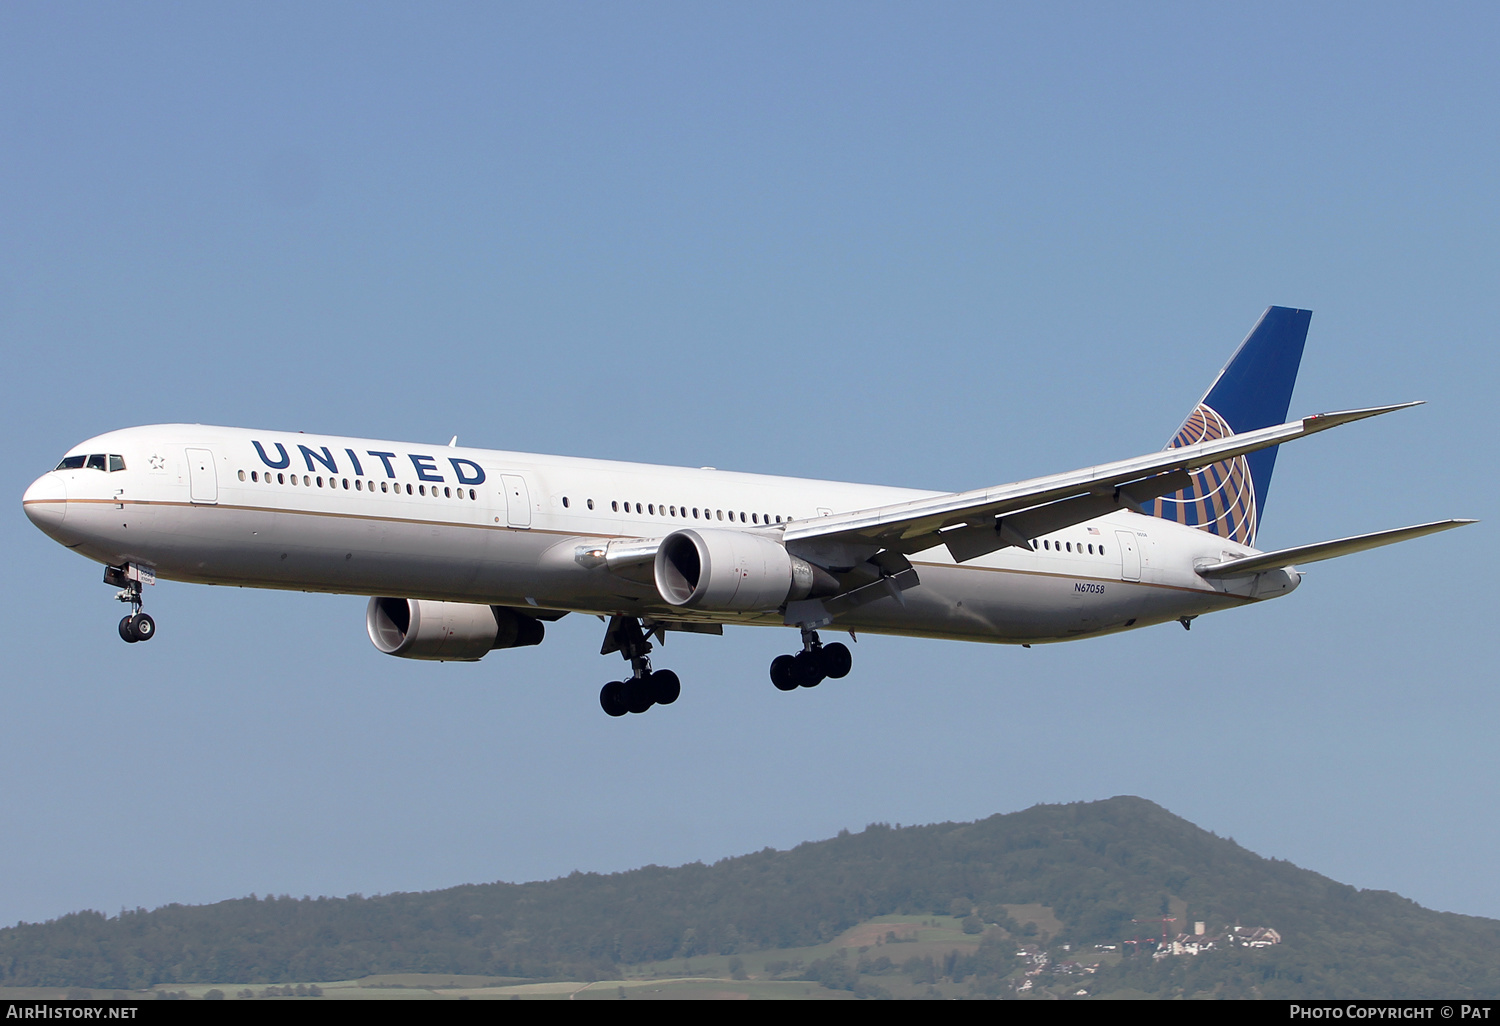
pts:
[977, 522]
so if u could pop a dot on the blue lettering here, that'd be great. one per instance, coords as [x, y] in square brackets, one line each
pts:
[384, 457]
[286, 461]
[426, 469]
[326, 458]
[358, 470]
[458, 468]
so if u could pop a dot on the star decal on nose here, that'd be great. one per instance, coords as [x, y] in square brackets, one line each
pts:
[158, 462]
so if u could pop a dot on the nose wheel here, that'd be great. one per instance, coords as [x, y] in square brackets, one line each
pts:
[816, 663]
[137, 626]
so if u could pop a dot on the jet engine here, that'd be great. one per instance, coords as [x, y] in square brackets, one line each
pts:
[447, 631]
[734, 571]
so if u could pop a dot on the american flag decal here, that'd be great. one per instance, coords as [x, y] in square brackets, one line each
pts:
[1221, 499]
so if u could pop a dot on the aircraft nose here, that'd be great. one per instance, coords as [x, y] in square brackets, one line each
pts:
[46, 501]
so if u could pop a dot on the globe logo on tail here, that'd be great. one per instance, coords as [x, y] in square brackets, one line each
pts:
[1221, 499]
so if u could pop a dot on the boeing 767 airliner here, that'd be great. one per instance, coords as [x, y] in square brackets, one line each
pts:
[467, 550]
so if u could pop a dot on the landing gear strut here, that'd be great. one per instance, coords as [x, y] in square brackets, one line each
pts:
[814, 664]
[137, 626]
[645, 687]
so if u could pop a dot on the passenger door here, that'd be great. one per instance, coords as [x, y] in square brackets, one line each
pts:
[517, 500]
[1130, 555]
[203, 478]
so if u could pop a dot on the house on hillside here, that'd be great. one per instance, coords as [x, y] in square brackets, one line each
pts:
[1255, 936]
[1200, 940]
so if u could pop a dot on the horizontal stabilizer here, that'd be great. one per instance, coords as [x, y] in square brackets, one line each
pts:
[1323, 550]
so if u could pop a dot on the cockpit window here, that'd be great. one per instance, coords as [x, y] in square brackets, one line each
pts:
[93, 461]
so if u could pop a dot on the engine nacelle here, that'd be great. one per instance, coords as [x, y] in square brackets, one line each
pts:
[447, 631]
[734, 571]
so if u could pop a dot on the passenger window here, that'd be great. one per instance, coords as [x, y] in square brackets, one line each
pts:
[565, 502]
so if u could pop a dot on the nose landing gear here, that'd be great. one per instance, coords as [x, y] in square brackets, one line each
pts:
[137, 626]
[814, 664]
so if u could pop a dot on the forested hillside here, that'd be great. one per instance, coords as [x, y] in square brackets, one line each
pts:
[1097, 866]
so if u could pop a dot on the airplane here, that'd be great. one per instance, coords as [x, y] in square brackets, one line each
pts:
[463, 551]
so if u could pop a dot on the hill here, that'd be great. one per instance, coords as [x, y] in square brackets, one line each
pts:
[1054, 878]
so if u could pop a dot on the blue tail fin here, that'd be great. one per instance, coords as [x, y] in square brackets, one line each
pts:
[1254, 390]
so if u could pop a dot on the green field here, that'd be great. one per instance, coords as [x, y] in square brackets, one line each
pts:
[763, 975]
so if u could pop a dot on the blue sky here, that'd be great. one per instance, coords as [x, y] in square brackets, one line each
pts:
[936, 246]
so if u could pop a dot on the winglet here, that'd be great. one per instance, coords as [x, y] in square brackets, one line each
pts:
[1324, 421]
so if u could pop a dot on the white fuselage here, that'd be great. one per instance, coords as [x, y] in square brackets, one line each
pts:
[356, 516]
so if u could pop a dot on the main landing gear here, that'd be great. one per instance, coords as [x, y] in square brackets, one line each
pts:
[645, 687]
[137, 626]
[810, 667]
